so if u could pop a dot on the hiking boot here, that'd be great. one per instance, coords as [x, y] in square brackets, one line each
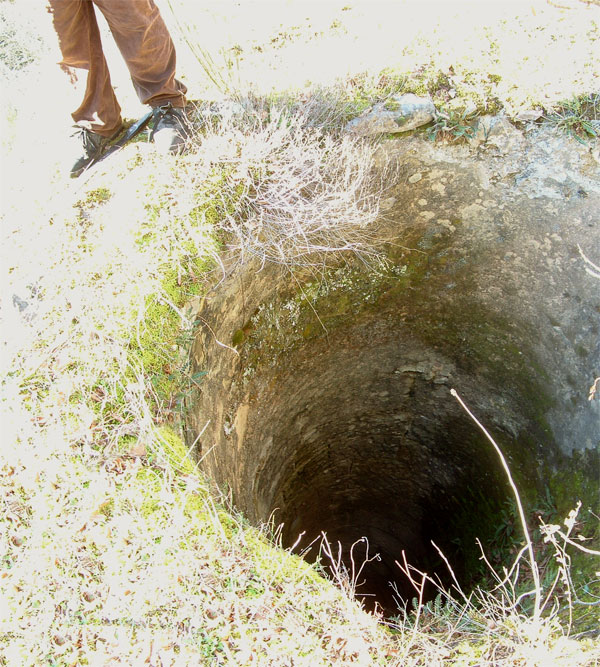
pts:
[171, 129]
[91, 147]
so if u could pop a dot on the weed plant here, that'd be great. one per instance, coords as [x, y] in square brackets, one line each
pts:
[578, 117]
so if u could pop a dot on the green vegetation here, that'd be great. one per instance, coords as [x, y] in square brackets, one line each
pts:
[454, 125]
[578, 117]
[114, 551]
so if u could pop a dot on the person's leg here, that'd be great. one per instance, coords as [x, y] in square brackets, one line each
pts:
[81, 48]
[147, 48]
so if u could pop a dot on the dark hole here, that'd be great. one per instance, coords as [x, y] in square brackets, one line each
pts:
[367, 447]
[387, 492]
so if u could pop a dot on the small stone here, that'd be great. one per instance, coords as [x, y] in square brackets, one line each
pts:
[19, 303]
[529, 115]
[415, 178]
[387, 204]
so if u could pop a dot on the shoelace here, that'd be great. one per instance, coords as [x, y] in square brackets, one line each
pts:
[166, 111]
[83, 135]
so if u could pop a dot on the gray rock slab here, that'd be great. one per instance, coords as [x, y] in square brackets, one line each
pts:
[400, 113]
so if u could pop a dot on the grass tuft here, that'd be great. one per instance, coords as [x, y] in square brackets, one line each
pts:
[578, 117]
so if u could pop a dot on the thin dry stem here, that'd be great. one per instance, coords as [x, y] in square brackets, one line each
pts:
[532, 561]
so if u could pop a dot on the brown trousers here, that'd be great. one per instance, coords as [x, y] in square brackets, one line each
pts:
[144, 42]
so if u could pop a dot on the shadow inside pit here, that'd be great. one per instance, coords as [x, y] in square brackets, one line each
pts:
[370, 530]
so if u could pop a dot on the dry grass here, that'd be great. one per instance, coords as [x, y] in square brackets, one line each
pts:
[302, 192]
[113, 551]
